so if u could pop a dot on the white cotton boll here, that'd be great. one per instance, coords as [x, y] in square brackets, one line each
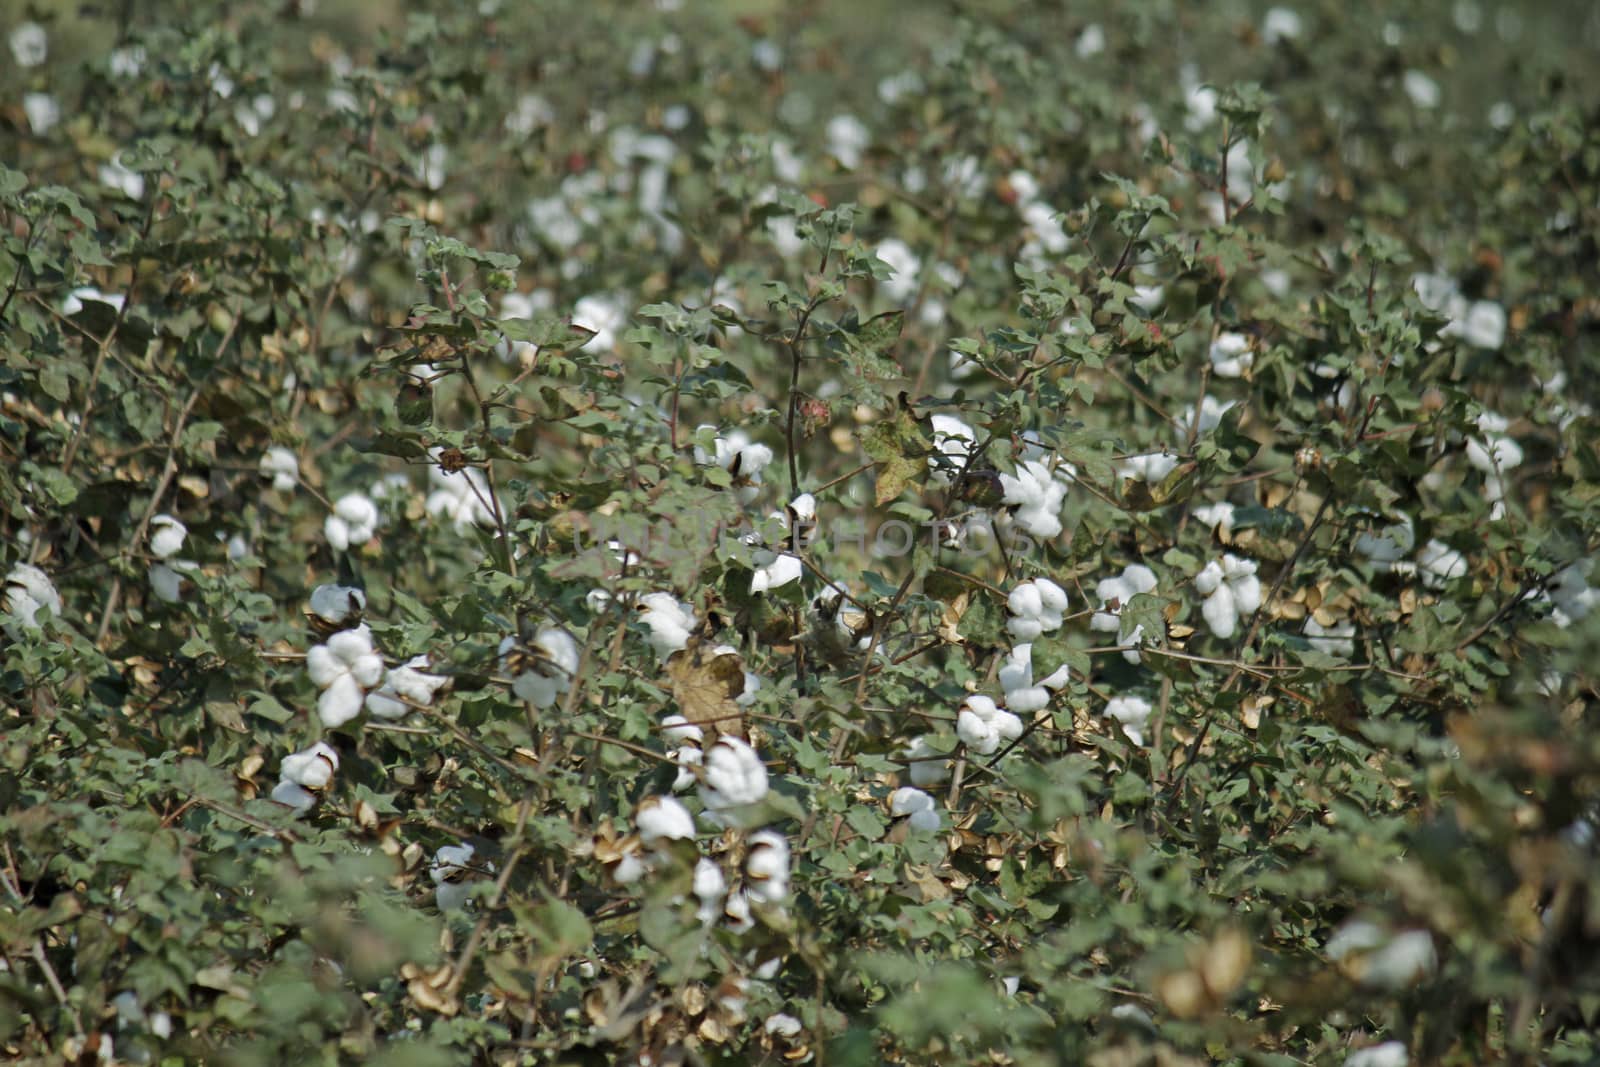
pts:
[1241, 577]
[353, 521]
[1218, 516]
[1211, 412]
[629, 869]
[1037, 607]
[461, 498]
[736, 910]
[804, 507]
[983, 726]
[294, 796]
[920, 809]
[340, 702]
[1220, 612]
[116, 175]
[1148, 467]
[1388, 1054]
[42, 111]
[354, 649]
[1403, 961]
[29, 591]
[663, 819]
[605, 315]
[1131, 713]
[385, 703]
[766, 867]
[544, 682]
[1388, 545]
[922, 770]
[161, 1025]
[783, 569]
[678, 728]
[671, 622]
[167, 535]
[952, 440]
[334, 604]
[1025, 185]
[312, 768]
[166, 579]
[30, 44]
[1423, 90]
[1439, 564]
[1494, 454]
[1483, 325]
[734, 775]
[1572, 595]
[450, 869]
[710, 887]
[1037, 494]
[1280, 24]
[847, 137]
[1209, 578]
[1091, 42]
[901, 285]
[1334, 640]
[688, 758]
[781, 1025]
[1231, 355]
[736, 453]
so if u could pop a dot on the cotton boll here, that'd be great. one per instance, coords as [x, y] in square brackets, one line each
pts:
[167, 535]
[670, 622]
[1280, 24]
[1231, 355]
[353, 522]
[28, 592]
[313, 768]
[461, 498]
[1037, 494]
[660, 819]
[403, 686]
[452, 870]
[923, 770]
[678, 728]
[544, 676]
[983, 726]
[1149, 467]
[294, 796]
[333, 604]
[1388, 545]
[1218, 517]
[1332, 640]
[282, 467]
[30, 44]
[901, 285]
[1220, 612]
[918, 808]
[847, 138]
[710, 887]
[1440, 564]
[1131, 713]
[736, 910]
[1037, 607]
[166, 579]
[1211, 412]
[766, 867]
[782, 570]
[343, 668]
[1387, 1054]
[734, 775]
[953, 441]
[605, 315]
[688, 758]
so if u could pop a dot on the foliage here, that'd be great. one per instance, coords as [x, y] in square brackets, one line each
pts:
[893, 534]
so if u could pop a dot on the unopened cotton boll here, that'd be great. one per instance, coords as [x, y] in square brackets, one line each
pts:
[282, 467]
[733, 777]
[983, 726]
[344, 668]
[766, 867]
[28, 592]
[670, 621]
[660, 819]
[167, 535]
[353, 521]
[916, 807]
[1037, 494]
[1231, 355]
[1131, 713]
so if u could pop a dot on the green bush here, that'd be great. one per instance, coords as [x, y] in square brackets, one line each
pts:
[1108, 495]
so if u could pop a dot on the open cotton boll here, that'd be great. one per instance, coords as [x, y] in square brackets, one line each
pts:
[344, 668]
[1211, 412]
[403, 686]
[1037, 494]
[167, 535]
[1016, 678]
[747, 697]
[1389, 544]
[542, 678]
[905, 266]
[710, 887]
[1131, 713]
[671, 622]
[461, 498]
[983, 726]
[312, 768]
[294, 796]
[733, 776]
[689, 758]
[166, 579]
[1147, 467]
[453, 873]
[1387, 1054]
[353, 521]
[1114, 595]
[1231, 590]
[280, 464]
[678, 728]
[1572, 595]
[847, 137]
[952, 443]
[782, 570]
[1439, 564]
[766, 867]
[1218, 517]
[28, 592]
[333, 604]
[1379, 958]
[1036, 608]
[924, 765]
[1481, 324]
[1334, 640]
[917, 807]
[1231, 355]
[660, 819]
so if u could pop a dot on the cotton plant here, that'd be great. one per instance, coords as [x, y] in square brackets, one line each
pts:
[1131, 714]
[1231, 591]
[404, 687]
[344, 668]
[167, 537]
[1037, 493]
[1023, 693]
[1114, 595]
[983, 726]
[920, 810]
[546, 669]
[302, 776]
[1037, 607]
[28, 594]
[1231, 355]
[352, 522]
